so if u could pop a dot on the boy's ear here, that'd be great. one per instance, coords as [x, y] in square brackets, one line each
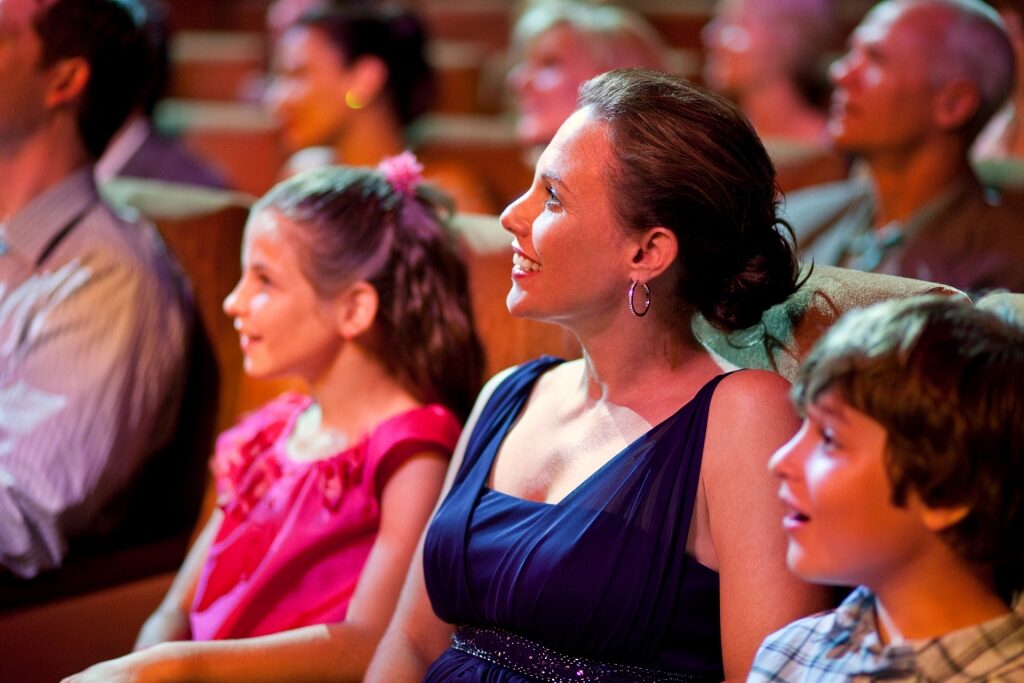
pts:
[938, 519]
[655, 252]
[69, 78]
[356, 309]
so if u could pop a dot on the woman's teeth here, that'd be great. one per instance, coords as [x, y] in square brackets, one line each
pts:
[524, 263]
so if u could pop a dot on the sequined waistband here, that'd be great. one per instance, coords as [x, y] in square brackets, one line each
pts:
[529, 658]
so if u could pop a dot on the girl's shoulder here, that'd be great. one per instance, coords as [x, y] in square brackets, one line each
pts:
[430, 427]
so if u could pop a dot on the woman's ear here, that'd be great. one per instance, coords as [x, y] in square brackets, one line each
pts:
[356, 309]
[654, 253]
[368, 76]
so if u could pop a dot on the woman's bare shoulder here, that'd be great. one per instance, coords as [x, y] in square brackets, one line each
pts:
[753, 388]
[751, 415]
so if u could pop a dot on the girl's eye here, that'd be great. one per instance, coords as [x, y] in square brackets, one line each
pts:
[552, 200]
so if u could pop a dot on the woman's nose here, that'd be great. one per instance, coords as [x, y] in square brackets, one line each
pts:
[517, 77]
[515, 218]
[275, 95]
[839, 69]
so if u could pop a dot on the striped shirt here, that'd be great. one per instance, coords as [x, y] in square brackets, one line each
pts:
[844, 645]
[93, 330]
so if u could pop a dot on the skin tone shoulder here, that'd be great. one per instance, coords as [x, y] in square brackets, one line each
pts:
[573, 264]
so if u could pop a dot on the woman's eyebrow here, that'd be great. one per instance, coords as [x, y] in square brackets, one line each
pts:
[555, 179]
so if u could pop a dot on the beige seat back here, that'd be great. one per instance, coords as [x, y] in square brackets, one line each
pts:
[203, 230]
[1007, 304]
[789, 330]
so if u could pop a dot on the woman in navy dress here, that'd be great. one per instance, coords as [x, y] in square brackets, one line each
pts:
[612, 518]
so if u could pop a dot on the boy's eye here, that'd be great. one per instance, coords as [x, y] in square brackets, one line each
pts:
[828, 438]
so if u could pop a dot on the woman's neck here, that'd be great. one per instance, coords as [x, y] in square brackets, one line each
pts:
[646, 365]
[372, 134]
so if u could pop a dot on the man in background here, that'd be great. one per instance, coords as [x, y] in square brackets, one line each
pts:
[920, 80]
[93, 318]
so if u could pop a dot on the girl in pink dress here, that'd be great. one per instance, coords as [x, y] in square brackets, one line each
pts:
[348, 282]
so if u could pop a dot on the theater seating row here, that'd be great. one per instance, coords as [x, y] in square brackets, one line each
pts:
[93, 608]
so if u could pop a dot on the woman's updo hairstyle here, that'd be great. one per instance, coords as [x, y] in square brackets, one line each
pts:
[392, 34]
[688, 160]
[352, 224]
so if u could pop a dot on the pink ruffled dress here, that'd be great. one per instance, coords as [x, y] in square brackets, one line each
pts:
[296, 535]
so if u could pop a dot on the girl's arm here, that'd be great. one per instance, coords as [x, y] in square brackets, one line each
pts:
[416, 636]
[324, 652]
[751, 416]
[170, 620]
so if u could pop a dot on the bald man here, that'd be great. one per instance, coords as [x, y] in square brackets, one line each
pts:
[919, 81]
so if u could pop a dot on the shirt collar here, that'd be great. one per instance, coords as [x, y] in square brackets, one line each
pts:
[972, 650]
[31, 230]
[122, 148]
[969, 651]
[866, 247]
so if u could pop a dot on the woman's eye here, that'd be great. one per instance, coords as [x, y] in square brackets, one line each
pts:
[828, 438]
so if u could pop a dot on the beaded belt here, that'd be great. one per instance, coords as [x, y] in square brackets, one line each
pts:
[532, 659]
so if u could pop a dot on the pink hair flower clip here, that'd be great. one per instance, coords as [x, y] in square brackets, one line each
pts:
[403, 171]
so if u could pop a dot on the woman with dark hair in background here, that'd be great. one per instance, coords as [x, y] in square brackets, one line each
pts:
[348, 282]
[612, 517]
[348, 81]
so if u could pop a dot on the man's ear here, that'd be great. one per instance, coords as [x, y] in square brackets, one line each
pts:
[368, 76]
[356, 309]
[68, 80]
[956, 103]
[654, 253]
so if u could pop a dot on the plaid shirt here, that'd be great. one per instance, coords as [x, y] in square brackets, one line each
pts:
[843, 645]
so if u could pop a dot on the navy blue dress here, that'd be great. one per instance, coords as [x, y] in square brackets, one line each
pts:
[603, 574]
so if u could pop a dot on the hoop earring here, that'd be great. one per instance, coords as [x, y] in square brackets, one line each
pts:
[647, 298]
